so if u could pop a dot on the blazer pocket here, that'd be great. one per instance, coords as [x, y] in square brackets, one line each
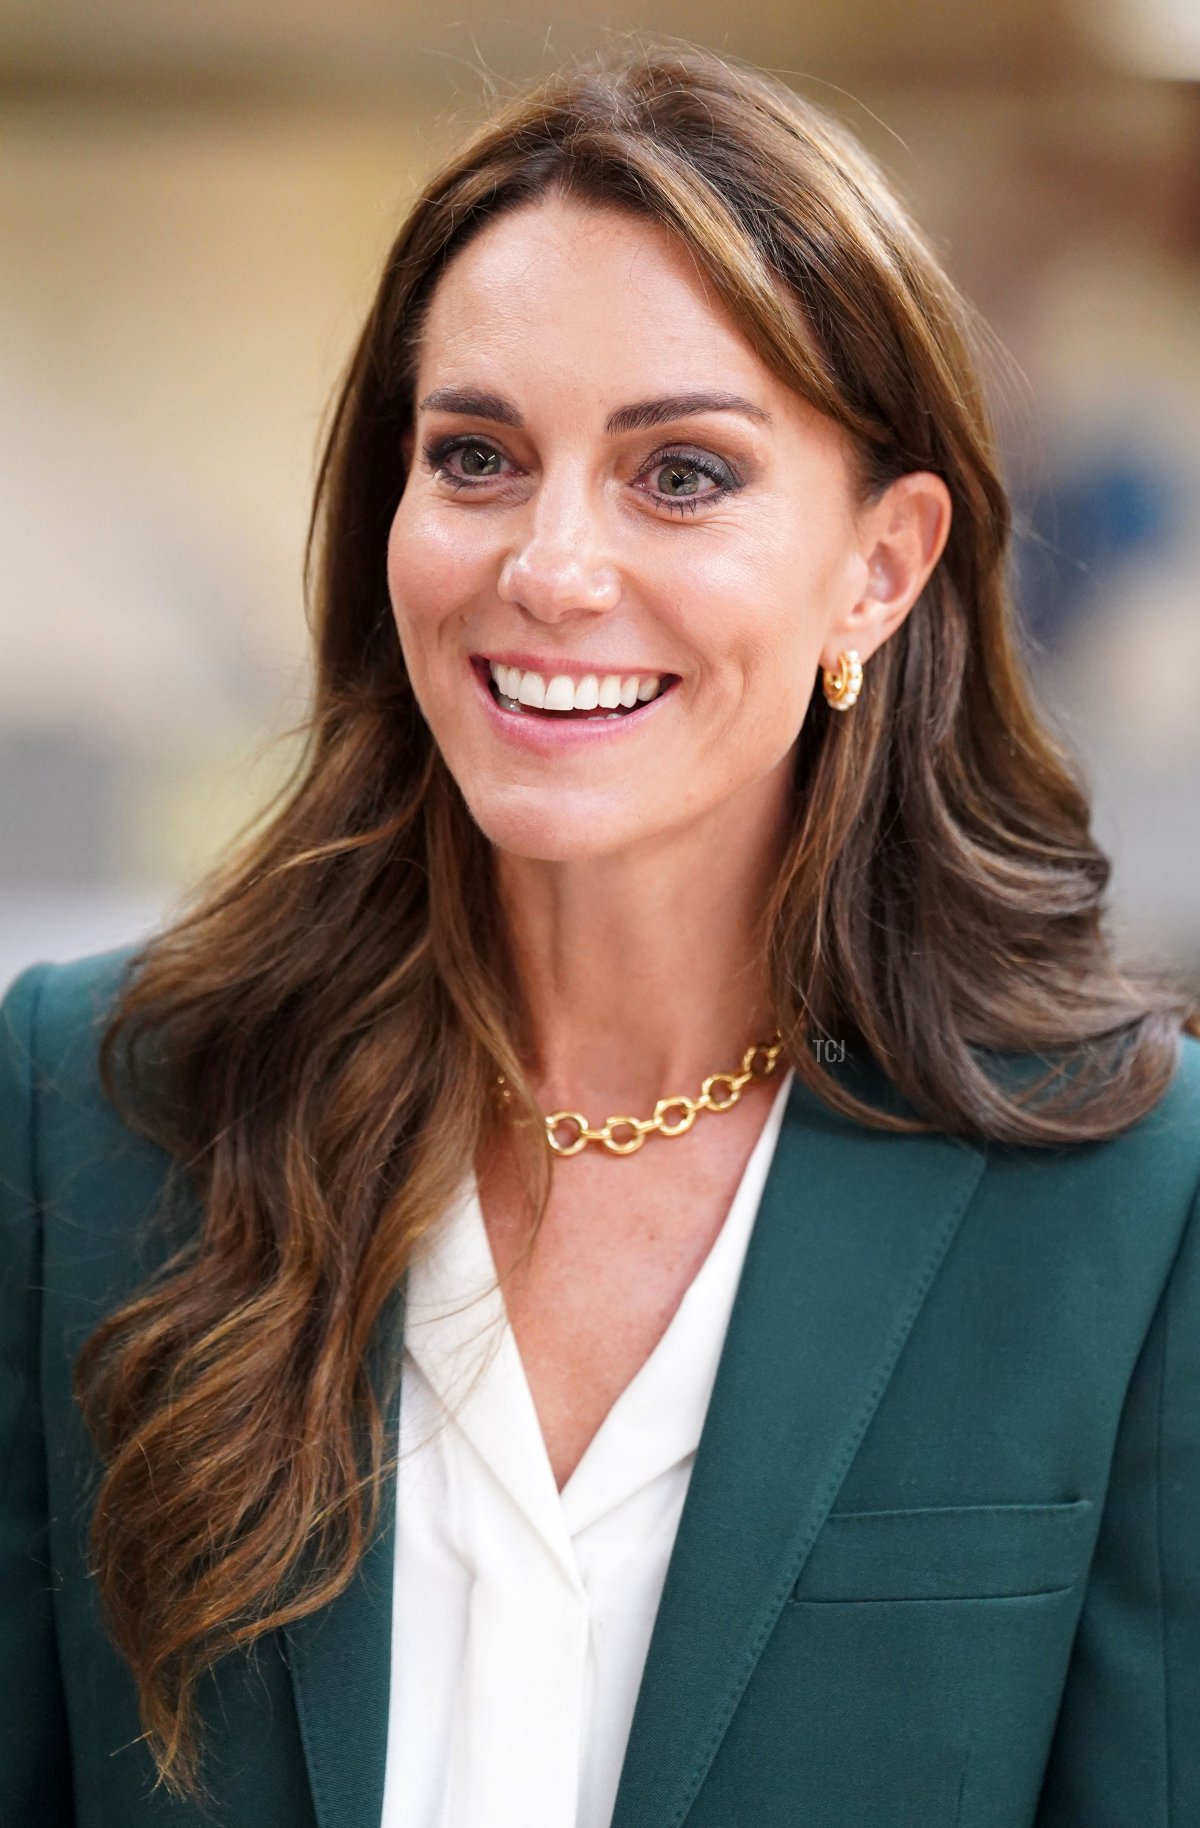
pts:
[947, 1552]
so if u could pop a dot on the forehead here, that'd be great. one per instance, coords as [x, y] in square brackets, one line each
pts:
[563, 284]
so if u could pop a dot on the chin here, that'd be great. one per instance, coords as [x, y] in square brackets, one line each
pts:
[550, 826]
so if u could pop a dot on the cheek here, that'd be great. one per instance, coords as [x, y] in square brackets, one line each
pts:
[761, 648]
[431, 569]
[778, 705]
[799, 587]
[409, 582]
[418, 595]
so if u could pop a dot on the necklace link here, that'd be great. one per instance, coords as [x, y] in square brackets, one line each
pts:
[711, 1099]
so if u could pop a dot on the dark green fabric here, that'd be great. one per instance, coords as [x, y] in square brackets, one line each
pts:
[939, 1564]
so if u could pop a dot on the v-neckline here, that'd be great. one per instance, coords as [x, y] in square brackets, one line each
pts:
[656, 1419]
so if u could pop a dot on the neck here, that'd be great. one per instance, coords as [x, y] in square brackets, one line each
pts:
[644, 971]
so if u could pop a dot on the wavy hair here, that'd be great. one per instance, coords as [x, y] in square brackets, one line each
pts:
[314, 1038]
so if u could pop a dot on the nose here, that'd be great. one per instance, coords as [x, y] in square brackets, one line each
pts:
[558, 565]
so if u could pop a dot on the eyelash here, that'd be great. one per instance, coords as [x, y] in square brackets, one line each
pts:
[436, 453]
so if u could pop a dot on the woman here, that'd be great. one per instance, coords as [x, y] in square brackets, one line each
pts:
[670, 736]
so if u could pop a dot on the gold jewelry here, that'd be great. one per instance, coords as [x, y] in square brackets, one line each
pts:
[844, 686]
[709, 1100]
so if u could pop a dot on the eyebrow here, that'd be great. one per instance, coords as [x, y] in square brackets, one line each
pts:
[475, 403]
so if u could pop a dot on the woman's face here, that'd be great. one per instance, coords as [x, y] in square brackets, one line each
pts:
[559, 520]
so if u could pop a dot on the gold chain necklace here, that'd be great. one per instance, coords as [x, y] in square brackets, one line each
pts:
[711, 1098]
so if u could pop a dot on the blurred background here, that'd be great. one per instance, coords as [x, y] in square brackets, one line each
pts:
[194, 204]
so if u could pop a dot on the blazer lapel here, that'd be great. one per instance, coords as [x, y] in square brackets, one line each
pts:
[852, 1227]
[340, 1656]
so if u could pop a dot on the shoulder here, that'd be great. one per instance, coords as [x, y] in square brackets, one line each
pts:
[61, 1142]
[1185, 1087]
[1162, 1148]
[1175, 1130]
[1173, 1127]
[1159, 1151]
[1140, 1184]
[1108, 1217]
[52, 1015]
[1110, 1225]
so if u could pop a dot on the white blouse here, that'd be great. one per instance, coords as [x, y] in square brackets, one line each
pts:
[522, 1615]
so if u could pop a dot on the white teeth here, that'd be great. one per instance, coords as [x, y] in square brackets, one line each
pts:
[561, 693]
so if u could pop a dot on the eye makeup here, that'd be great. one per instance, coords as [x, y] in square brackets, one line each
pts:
[437, 452]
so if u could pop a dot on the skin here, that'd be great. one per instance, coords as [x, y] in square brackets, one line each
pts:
[629, 871]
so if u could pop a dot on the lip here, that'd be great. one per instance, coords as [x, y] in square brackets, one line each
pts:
[550, 735]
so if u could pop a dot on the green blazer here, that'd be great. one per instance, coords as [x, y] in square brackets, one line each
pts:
[939, 1563]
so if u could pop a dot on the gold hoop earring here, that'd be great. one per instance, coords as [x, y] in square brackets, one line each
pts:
[843, 687]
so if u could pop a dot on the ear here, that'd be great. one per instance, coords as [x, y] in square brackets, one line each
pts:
[902, 536]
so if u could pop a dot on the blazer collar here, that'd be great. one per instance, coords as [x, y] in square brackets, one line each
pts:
[851, 1229]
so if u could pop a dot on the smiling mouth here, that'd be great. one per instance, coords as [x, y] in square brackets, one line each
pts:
[611, 697]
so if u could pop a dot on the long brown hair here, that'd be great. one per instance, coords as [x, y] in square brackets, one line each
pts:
[314, 1040]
